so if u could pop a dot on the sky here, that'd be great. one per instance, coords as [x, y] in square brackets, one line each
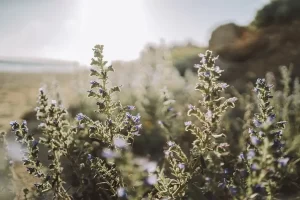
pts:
[68, 29]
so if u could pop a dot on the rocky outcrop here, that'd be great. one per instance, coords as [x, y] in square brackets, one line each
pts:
[225, 35]
[248, 53]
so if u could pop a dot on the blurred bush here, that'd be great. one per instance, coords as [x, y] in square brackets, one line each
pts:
[277, 12]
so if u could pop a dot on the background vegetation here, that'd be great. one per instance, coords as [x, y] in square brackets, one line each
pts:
[161, 86]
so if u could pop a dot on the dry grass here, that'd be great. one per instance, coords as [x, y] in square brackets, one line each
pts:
[18, 91]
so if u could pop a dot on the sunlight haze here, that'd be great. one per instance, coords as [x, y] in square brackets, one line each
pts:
[68, 29]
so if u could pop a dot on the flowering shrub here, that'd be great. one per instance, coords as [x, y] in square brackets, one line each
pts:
[99, 152]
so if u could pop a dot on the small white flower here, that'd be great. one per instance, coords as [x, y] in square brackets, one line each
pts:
[209, 114]
[191, 107]
[152, 179]
[42, 125]
[121, 192]
[218, 70]
[170, 143]
[188, 123]
[167, 153]
[150, 166]
[108, 153]
[53, 102]
[224, 85]
[232, 100]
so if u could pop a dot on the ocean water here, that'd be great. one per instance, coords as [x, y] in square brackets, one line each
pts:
[37, 67]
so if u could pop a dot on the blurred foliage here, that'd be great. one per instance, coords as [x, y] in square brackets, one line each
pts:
[161, 94]
[277, 12]
[184, 57]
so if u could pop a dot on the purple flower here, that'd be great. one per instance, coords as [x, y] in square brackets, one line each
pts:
[14, 125]
[257, 123]
[233, 190]
[209, 114]
[278, 144]
[241, 156]
[218, 70]
[283, 161]
[258, 188]
[80, 117]
[35, 143]
[271, 118]
[254, 167]
[138, 128]
[167, 153]
[128, 115]
[278, 133]
[170, 143]
[224, 85]
[188, 123]
[89, 156]
[94, 83]
[170, 109]
[260, 81]
[181, 166]
[121, 192]
[120, 142]
[191, 107]
[130, 107]
[101, 91]
[254, 140]
[206, 74]
[136, 119]
[152, 179]
[24, 123]
[250, 154]
[226, 171]
[250, 131]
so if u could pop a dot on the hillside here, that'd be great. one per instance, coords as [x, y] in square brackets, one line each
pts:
[251, 52]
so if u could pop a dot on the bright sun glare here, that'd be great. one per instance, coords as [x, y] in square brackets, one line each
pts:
[120, 25]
